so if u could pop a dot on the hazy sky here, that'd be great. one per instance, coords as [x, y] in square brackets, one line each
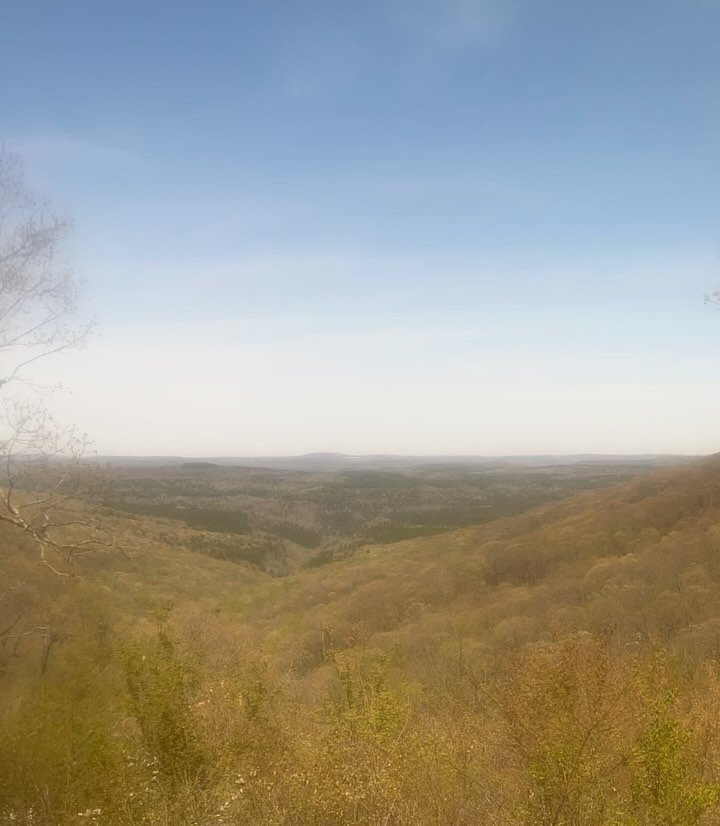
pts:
[411, 226]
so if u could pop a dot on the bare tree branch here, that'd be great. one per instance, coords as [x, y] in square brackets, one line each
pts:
[42, 466]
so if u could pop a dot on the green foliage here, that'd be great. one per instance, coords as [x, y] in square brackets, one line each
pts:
[299, 534]
[354, 766]
[665, 781]
[368, 706]
[57, 749]
[205, 519]
[161, 689]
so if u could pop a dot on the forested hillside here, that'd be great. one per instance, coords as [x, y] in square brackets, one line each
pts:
[280, 519]
[553, 667]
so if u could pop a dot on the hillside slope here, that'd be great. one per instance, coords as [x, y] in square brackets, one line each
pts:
[281, 520]
[556, 667]
[640, 558]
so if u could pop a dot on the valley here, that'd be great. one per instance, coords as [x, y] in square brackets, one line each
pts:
[388, 682]
[306, 511]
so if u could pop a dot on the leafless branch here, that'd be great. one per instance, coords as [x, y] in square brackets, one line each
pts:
[42, 466]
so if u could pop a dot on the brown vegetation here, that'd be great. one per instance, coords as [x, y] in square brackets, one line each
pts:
[554, 667]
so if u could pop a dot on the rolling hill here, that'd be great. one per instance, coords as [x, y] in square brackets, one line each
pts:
[553, 666]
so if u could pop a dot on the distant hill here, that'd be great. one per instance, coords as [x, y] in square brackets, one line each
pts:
[341, 461]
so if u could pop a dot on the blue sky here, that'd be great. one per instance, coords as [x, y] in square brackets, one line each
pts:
[389, 226]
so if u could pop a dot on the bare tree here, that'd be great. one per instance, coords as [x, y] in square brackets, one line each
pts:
[38, 290]
[42, 471]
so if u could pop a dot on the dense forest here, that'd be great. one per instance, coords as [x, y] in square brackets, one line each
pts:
[555, 666]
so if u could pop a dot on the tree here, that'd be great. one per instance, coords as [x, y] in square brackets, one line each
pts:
[41, 464]
[38, 290]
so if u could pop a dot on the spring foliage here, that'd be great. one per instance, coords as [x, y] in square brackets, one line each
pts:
[558, 667]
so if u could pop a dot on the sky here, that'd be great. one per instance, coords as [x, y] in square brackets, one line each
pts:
[395, 226]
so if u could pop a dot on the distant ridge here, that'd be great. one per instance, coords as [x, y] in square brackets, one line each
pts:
[326, 461]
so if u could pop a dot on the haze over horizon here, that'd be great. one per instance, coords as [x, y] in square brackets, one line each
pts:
[420, 228]
[321, 455]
